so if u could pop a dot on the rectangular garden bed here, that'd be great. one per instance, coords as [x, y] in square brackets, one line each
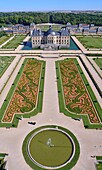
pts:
[90, 41]
[4, 39]
[25, 93]
[15, 42]
[76, 98]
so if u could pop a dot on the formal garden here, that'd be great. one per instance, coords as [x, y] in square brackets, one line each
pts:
[5, 61]
[90, 41]
[15, 42]
[76, 98]
[51, 147]
[25, 95]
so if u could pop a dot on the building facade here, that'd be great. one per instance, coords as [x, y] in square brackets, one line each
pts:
[59, 39]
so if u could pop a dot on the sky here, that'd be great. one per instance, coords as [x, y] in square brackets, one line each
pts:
[49, 5]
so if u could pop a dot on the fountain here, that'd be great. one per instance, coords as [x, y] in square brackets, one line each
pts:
[49, 142]
[50, 147]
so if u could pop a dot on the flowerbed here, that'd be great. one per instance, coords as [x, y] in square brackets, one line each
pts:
[77, 99]
[25, 96]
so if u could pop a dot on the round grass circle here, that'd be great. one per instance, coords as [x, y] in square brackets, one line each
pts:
[49, 147]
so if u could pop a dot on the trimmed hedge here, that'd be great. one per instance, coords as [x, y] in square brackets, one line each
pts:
[38, 108]
[62, 106]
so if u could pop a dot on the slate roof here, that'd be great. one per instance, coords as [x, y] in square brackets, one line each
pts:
[63, 32]
[51, 32]
[9, 31]
[37, 33]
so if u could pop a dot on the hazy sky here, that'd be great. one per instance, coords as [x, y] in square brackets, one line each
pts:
[36, 5]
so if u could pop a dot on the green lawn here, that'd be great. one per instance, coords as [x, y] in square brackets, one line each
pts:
[46, 27]
[99, 165]
[4, 38]
[68, 166]
[57, 156]
[5, 61]
[91, 41]
[15, 42]
[98, 62]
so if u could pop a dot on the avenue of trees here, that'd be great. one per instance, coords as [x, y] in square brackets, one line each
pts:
[40, 17]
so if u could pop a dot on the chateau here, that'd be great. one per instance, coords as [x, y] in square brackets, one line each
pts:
[50, 38]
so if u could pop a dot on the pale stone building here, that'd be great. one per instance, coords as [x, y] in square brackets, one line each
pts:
[51, 38]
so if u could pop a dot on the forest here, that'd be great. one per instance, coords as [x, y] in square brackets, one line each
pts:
[42, 17]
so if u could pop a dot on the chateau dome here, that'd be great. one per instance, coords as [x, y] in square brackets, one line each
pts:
[51, 32]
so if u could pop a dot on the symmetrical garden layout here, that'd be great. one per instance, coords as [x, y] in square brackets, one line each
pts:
[76, 96]
[25, 95]
[5, 61]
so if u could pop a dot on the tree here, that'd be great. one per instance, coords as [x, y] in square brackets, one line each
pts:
[41, 17]
[3, 33]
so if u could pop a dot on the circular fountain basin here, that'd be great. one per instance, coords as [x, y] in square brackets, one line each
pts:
[51, 148]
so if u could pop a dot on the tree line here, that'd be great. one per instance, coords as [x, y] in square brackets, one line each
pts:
[40, 17]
